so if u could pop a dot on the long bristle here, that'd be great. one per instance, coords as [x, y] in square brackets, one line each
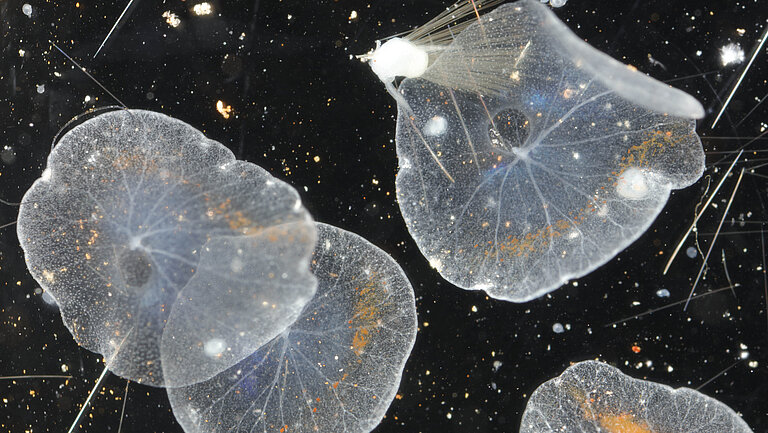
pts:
[442, 28]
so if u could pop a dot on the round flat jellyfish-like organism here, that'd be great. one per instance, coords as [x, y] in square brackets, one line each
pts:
[528, 158]
[336, 369]
[150, 236]
[594, 397]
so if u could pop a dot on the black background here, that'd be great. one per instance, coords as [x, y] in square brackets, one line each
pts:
[285, 68]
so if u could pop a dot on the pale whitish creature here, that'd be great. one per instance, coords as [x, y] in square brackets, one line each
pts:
[591, 396]
[192, 270]
[164, 253]
[528, 157]
[335, 369]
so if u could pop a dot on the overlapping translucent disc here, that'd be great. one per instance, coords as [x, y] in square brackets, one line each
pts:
[154, 239]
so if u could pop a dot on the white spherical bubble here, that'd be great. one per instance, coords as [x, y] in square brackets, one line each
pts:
[435, 126]
[632, 184]
[398, 58]
[557, 3]
[214, 347]
[26, 8]
[558, 328]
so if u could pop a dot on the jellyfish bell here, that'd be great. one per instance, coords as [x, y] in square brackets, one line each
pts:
[337, 368]
[549, 157]
[134, 229]
[593, 396]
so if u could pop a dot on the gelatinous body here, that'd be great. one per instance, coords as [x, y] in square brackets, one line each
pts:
[528, 158]
[594, 397]
[153, 238]
[335, 370]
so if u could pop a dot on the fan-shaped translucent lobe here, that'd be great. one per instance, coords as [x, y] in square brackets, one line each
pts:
[247, 289]
[537, 193]
[595, 397]
[115, 228]
[488, 56]
[335, 370]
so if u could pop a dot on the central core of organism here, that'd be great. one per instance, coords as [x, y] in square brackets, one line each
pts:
[508, 130]
[136, 267]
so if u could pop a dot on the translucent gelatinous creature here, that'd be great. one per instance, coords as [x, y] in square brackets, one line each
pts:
[335, 370]
[594, 397]
[157, 243]
[527, 157]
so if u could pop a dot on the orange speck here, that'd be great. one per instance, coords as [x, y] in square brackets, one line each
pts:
[623, 423]
[636, 348]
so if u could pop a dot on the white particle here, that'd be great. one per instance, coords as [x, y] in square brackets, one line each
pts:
[203, 8]
[497, 365]
[27, 9]
[171, 18]
[435, 126]
[731, 54]
[558, 328]
[214, 347]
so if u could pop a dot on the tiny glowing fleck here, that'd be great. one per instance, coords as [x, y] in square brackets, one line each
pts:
[731, 54]
[171, 18]
[225, 111]
[203, 8]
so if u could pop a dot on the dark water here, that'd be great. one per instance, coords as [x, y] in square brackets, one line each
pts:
[323, 123]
